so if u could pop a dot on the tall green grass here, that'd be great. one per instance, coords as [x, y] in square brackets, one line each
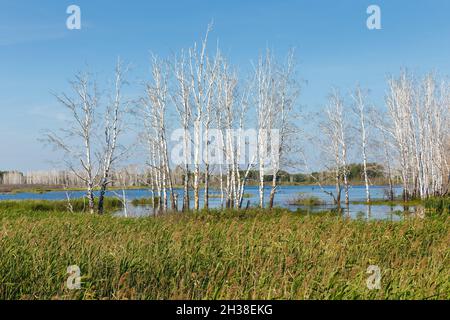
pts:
[231, 255]
[438, 205]
[144, 201]
[306, 200]
[77, 205]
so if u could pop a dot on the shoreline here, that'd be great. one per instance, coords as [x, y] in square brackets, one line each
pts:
[39, 189]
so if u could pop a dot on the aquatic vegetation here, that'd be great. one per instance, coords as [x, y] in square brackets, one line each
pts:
[78, 205]
[438, 205]
[143, 201]
[218, 195]
[228, 254]
[392, 203]
[305, 200]
[434, 205]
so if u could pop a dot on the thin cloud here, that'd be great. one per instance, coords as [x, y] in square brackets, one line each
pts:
[10, 35]
[16, 35]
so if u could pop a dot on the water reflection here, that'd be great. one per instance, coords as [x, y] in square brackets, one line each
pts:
[361, 212]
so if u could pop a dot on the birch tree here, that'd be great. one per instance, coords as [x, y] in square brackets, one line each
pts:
[377, 119]
[113, 129]
[342, 134]
[154, 109]
[226, 116]
[286, 91]
[182, 98]
[203, 73]
[231, 106]
[210, 103]
[264, 101]
[418, 112]
[78, 139]
[335, 144]
[360, 110]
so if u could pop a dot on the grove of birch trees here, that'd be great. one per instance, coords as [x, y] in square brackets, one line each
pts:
[419, 112]
[212, 105]
[225, 125]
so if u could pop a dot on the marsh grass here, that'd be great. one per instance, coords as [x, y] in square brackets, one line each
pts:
[305, 200]
[149, 201]
[438, 205]
[143, 201]
[434, 205]
[78, 205]
[218, 195]
[221, 255]
[392, 203]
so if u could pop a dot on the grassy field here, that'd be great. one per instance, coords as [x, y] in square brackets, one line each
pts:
[232, 255]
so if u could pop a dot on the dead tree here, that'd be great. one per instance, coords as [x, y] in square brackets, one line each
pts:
[113, 129]
[182, 98]
[77, 139]
[360, 110]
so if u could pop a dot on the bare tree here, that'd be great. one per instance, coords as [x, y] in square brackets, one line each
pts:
[419, 117]
[286, 91]
[153, 110]
[210, 103]
[334, 128]
[182, 98]
[342, 136]
[113, 129]
[202, 75]
[225, 117]
[78, 138]
[264, 100]
[360, 110]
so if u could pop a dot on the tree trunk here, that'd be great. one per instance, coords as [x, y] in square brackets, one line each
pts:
[90, 195]
[338, 189]
[101, 198]
[261, 186]
[273, 191]
[206, 204]
[186, 189]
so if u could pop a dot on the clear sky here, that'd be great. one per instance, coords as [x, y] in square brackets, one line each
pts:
[38, 54]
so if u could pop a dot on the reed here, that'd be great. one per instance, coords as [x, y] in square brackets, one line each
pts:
[78, 205]
[221, 255]
[144, 201]
[305, 200]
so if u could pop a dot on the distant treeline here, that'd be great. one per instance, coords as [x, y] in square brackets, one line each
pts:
[376, 173]
[128, 176]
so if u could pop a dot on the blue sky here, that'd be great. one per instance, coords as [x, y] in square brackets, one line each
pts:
[334, 48]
